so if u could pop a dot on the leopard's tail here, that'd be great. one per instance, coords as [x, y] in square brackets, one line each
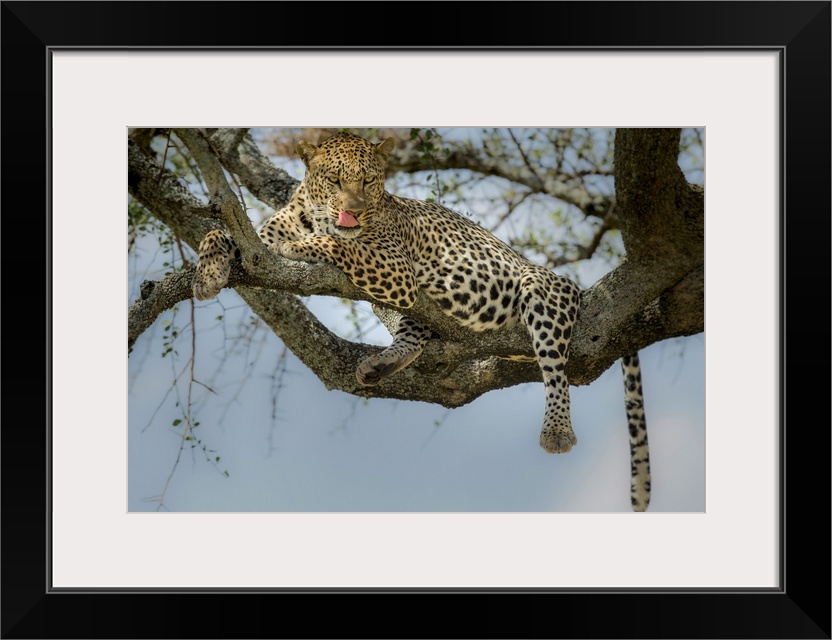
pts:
[639, 451]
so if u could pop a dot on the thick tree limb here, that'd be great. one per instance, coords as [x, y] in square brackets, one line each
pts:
[658, 291]
[156, 297]
[450, 374]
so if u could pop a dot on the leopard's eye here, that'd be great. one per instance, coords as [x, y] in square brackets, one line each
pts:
[369, 179]
[333, 179]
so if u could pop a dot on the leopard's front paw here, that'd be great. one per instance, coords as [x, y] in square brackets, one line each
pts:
[290, 251]
[213, 265]
[207, 285]
[279, 248]
[211, 276]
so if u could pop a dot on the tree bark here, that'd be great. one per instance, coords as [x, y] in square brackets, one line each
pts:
[658, 291]
[655, 294]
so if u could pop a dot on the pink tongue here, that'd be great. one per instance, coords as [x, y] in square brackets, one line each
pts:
[346, 220]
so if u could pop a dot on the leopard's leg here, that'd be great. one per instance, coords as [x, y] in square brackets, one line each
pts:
[218, 248]
[289, 223]
[384, 273]
[213, 264]
[639, 450]
[409, 339]
[549, 307]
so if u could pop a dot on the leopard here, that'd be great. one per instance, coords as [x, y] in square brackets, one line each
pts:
[393, 248]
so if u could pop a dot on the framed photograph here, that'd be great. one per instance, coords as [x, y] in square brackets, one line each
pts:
[749, 81]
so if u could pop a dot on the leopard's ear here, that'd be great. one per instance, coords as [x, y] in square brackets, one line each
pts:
[306, 151]
[384, 148]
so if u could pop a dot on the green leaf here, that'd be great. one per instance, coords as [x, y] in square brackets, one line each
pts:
[177, 422]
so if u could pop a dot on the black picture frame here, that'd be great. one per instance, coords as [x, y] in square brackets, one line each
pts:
[800, 608]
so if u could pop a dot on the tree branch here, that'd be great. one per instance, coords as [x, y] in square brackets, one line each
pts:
[658, 291]
[447, 373]
[553, 183]
[240, 155]
[156, 297]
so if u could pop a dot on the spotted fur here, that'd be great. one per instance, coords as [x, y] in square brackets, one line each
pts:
[637, 425]
[392, 247]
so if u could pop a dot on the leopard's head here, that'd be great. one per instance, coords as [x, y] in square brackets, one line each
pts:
[345, 174]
